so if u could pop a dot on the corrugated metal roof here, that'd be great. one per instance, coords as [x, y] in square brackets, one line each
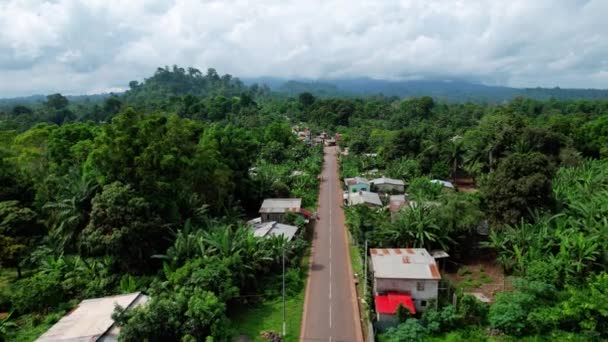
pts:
[384, 180]
[281, 205]
[388, 303]
[356, 180]
[89, 321]
[365, 197]
[404, 263]
[274, 229]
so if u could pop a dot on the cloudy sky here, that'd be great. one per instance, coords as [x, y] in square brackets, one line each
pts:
[92, 46]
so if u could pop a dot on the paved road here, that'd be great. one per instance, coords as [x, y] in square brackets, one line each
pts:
[330, 309]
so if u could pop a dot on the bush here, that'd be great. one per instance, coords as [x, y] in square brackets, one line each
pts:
[411, 330]
[37, 293]
[422, 189]
[439, 321]
[472, 311]
[510, 313]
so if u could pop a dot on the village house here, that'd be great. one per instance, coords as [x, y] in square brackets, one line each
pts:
[92, 320]
[356, 184]
[274, 209]
[403, 276]
[388, 185]
[370, 199]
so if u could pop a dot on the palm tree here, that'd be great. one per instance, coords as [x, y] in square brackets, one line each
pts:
[455, 152]
[416, 228]
[70, 214]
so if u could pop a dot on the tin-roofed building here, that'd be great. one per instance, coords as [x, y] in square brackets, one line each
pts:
[273, 228]
[407, 271]
[370, 199]
[274, 209]
[388, 185]
[92, 320]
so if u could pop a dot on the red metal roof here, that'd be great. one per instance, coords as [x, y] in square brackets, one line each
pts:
[388, 303]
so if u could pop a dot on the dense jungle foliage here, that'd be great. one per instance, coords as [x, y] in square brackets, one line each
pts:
[542, 185]
[148, 191]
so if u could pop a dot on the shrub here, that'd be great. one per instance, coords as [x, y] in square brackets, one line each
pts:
[439, 321]
[411, 330]
[472, 311]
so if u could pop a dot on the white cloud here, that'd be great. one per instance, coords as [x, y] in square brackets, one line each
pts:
[87, 46]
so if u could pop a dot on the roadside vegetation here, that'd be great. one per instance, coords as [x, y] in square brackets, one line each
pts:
[524, 226]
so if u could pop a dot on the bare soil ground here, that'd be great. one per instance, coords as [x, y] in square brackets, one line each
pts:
[465, 184]
[483, 276]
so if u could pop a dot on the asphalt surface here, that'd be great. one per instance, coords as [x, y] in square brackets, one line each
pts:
[330, 310]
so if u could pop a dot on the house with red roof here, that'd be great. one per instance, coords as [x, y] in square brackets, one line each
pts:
[407, 277]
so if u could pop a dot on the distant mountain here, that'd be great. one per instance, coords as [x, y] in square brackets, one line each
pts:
[167, 82]
[39, 99]
[447, 90]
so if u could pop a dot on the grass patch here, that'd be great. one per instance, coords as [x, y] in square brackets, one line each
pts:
[31, 326]
[463, 271]
[268, 315]
[486, 279]
[357, 264]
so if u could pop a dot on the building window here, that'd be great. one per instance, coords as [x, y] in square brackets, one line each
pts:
[423, 303]
[420, 286]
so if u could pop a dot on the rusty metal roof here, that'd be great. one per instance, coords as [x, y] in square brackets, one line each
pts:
[404, 263]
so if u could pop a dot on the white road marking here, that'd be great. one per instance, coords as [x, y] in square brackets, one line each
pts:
[329, 195]
[330, 315]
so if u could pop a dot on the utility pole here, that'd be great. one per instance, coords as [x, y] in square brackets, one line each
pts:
[365, 272]
[284, 323]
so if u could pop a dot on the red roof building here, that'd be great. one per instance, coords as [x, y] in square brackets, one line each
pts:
[387, 304]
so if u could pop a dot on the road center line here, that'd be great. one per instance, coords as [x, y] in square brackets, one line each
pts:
[329, 200]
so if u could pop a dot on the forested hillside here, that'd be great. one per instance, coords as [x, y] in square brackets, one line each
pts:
[457, 91]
